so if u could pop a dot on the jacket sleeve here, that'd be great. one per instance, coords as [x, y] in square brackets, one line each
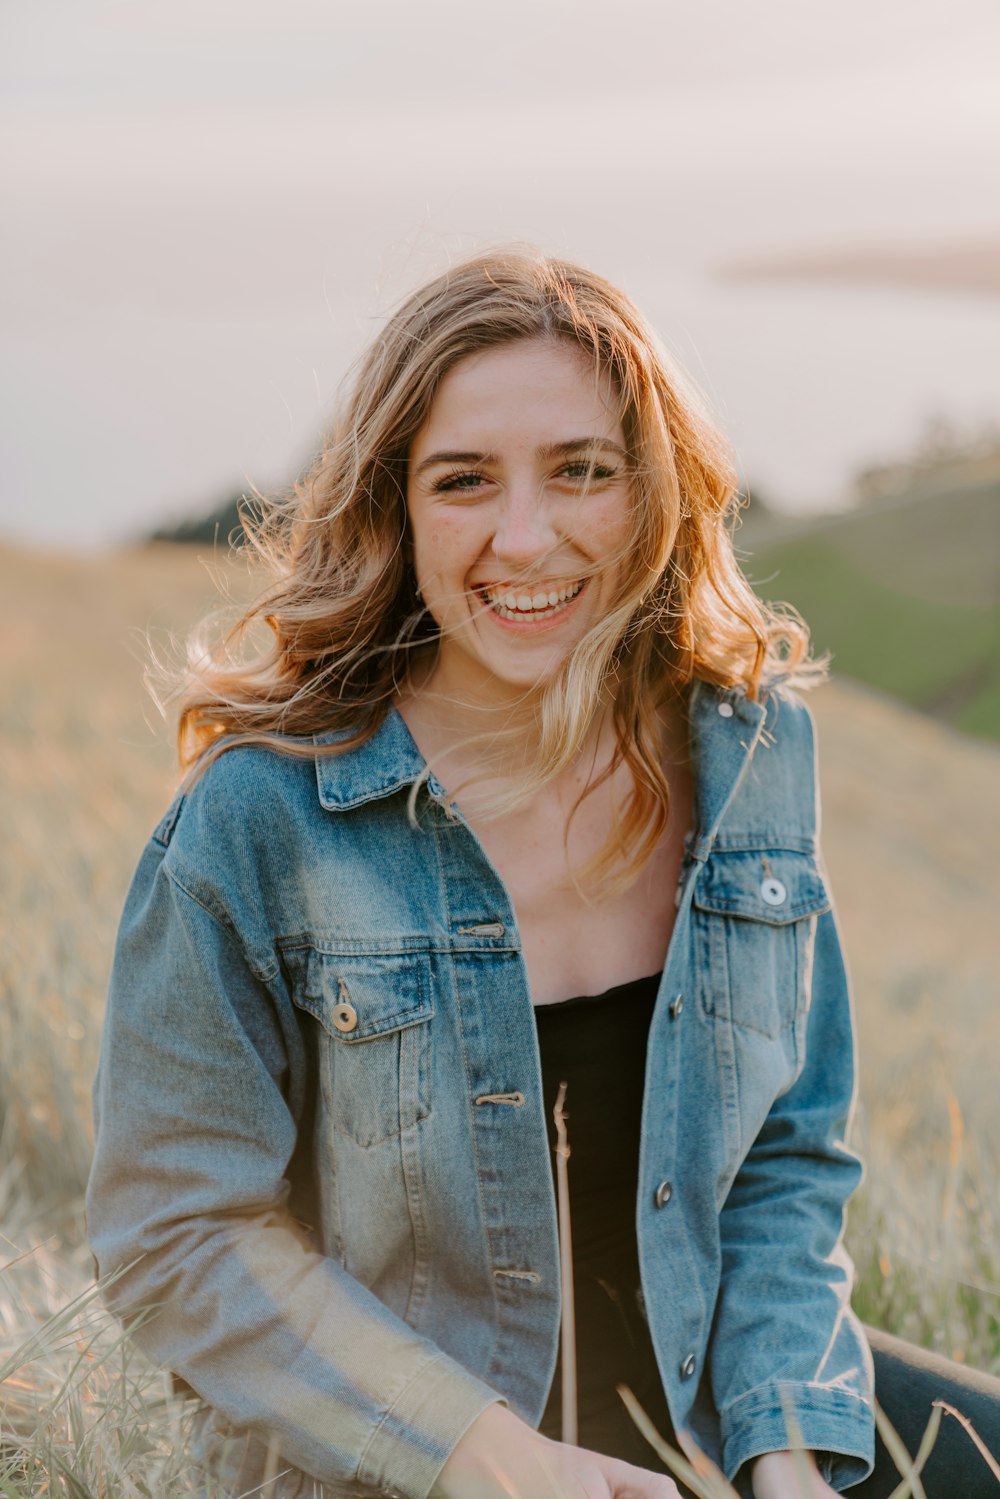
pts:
[786, 1276]
[188, 1208]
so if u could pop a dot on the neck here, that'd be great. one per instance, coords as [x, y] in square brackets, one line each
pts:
[485, 730]
[455, 699]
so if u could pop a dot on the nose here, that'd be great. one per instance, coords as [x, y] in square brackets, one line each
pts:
[524, 531]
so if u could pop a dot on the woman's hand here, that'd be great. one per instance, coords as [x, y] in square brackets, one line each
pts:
[776, 1475]
[500, 1457]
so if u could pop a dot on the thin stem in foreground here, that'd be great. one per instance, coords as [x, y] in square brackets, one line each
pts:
[568, 1328]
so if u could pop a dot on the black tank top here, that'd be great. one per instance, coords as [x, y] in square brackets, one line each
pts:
[597, 1045]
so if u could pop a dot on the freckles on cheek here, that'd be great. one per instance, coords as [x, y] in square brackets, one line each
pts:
[446, 545]
[431, 549]
[435, 558]
[613, 529]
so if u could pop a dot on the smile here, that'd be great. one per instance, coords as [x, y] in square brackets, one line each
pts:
[539, 604]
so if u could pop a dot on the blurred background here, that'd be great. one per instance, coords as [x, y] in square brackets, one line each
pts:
[208, 209]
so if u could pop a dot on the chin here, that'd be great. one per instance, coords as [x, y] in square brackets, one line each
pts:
[480, 676]
[528, 680]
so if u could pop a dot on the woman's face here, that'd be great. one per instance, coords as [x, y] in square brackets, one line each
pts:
[518, 497]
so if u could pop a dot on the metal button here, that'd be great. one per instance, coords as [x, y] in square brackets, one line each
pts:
[773, 891]
[688, 1367]
[726, 710]
[676, 1006]
[345, 1016]
[663, 1194]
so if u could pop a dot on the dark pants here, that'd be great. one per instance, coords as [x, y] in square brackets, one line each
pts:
[907, 1381]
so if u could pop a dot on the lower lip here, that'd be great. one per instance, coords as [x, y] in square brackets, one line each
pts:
[533, 626]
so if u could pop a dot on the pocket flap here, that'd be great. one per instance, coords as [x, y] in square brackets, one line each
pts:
[777, 885]
[385, 992]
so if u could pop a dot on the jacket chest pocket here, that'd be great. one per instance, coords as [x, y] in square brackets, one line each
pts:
[374, 1010]
[756, 913]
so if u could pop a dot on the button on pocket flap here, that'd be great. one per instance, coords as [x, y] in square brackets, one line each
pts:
[358, 996]
[777, 885]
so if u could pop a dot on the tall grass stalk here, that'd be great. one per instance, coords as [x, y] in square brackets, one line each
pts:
[567, 1332]
[974, 1437]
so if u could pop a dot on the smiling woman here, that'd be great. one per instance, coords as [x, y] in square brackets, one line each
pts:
[514, 821]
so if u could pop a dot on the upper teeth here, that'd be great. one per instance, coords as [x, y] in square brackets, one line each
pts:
[526, 601]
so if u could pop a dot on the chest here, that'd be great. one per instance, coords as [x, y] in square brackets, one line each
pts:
[573, 941]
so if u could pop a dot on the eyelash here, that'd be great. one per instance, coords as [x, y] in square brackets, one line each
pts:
[449, 484]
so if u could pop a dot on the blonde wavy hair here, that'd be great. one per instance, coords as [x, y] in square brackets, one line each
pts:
[346, 623]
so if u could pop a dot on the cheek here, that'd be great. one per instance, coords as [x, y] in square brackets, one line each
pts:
[610, 534]
[443, 553]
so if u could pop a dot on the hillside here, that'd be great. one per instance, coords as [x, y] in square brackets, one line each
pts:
[905, 593]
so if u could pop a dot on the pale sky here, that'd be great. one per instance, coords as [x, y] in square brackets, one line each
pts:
[209, 206]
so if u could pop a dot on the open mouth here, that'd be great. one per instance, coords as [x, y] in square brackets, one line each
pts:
[520, 604]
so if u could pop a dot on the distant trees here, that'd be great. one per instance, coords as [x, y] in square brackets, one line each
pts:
[223, 524]
[944, 456]
[750, 496]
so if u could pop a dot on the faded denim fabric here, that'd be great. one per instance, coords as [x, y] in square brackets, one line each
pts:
[321, 1148]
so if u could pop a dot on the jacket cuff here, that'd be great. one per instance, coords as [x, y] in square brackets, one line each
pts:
[421, 1429]
[834, 1424]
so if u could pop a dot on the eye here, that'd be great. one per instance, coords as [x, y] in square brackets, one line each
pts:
[586, 469]
[458, 481]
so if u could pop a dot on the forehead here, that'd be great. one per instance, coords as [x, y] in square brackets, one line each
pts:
[547, 388]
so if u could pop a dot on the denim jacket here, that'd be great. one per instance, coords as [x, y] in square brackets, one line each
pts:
[321, 1151]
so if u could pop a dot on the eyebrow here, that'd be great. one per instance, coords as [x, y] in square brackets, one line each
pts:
[550, 450]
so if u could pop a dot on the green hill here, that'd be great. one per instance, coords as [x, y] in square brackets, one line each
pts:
[904, 592]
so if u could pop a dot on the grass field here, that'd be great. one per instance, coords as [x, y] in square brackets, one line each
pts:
[912, 826]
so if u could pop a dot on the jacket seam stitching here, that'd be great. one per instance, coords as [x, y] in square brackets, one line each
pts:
[419, 1374]
[716, 904]
[768, 1393]
[224, 926]
[405, 946]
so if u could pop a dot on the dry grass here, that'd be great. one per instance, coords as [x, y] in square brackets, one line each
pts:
[912, 818]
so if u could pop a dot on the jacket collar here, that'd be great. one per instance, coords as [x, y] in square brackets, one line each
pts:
[385, 763]
[725, 729]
